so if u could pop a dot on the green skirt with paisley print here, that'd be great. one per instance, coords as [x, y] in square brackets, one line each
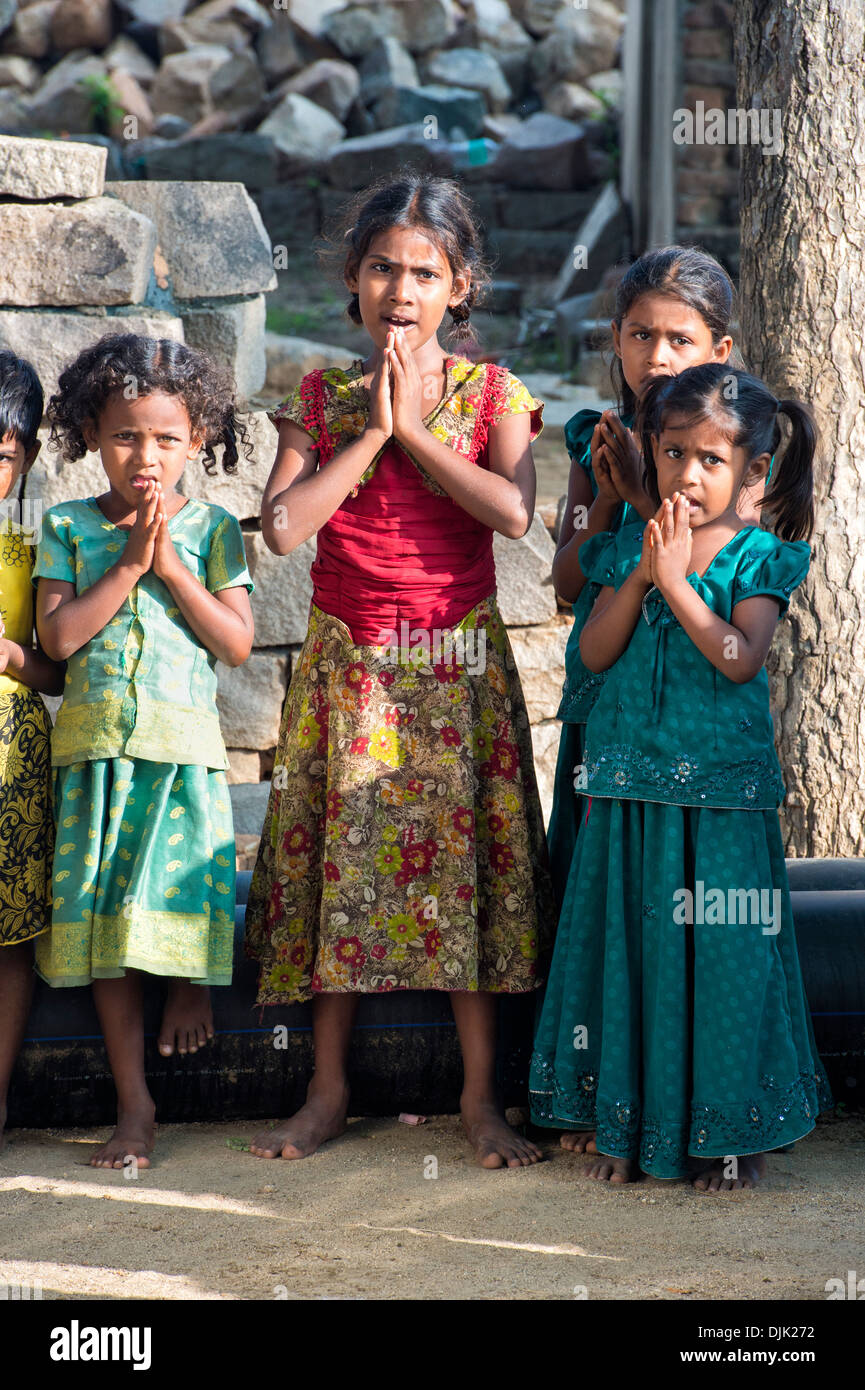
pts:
[403, 845]
[26, 826]
[144, 871]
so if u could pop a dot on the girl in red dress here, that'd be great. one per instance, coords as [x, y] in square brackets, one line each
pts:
[403, 846]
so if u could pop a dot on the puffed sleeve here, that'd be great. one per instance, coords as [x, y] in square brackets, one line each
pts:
[516, 399]
[226, 558]
[293, 408]
[609, 557]
[578, 437]
[772, 567]
[55, 550]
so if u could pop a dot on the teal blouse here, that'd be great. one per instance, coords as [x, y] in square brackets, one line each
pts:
[668, 725]
[582, 686]
[145, 686]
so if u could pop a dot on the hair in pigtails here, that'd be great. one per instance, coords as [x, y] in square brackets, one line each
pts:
[747, 414]
[790, 499]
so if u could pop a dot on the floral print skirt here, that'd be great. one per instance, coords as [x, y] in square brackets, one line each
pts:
[677, 1025]
[26, 824]
[403, 845]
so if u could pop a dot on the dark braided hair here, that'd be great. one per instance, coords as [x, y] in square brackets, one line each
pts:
[440, 209]
[747, 414]
[121, 361]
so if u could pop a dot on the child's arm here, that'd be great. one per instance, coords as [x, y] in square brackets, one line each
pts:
[737, 650]
[66, 622]
[32, 667]
[502, 496]
[221, 621]
[625, 463]
[610, 625]
[299, 497]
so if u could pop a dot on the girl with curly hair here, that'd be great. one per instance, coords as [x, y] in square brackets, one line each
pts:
[141, 591]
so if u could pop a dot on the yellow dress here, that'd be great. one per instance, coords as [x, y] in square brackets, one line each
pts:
[26, 823]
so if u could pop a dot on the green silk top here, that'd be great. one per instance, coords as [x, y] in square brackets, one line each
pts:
[667, 724]
[145, 686]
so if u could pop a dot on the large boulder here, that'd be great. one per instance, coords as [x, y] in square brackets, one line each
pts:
[280, 605]
[524, 583]
[457, 112]
[544, 152]
[232, 334]
[22, 74]
[290, 359]
[81, 24]
[304, 134]
[211, 235]
[92, 252]
[250, 697]
[123, 55]
[356, 163]
[357, 29]
[473, 69]
[66, 100]
[330, 84]
[207, 78]
[51, 338]
[41, 169]
[423, 24]
[387, 64]
[579, 43]
[310, 17]
[240, 493]
[241, 156]
[277, 48]
[540, 656]
[30, 32]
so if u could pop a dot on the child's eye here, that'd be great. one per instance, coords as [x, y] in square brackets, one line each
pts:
[672, 452]
[431, 273]
[681, 341]
[381, 265]
[641, 333]
[714, 458]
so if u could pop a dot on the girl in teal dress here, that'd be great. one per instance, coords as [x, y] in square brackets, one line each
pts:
[675, 1022]
[673, 309]
[141, 591]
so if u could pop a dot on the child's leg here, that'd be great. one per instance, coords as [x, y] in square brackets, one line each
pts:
[121, 1014]
[187, 1019]
[496, 1145]
[16, 991]
[322, 1116]
[728, 1174]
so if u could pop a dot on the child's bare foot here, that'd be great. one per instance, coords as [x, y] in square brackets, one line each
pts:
[133, 1137]
[579, 1141]
[613, 1170]
[322, 1117]
[187, 1019]
[496, 1145]
[719, 1176]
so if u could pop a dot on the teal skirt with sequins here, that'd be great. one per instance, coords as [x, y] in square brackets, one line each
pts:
[674, 1021]
[567, 801]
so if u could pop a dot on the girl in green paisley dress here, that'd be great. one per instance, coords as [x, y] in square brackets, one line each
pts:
[141, 591]
[675, 1023]
[26, 827]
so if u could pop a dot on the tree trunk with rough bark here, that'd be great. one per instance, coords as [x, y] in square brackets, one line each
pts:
[803, 331]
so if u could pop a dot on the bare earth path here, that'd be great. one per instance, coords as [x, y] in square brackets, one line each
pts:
[360, 1220]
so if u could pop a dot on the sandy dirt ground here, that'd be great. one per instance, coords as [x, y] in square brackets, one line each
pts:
[361, 1220]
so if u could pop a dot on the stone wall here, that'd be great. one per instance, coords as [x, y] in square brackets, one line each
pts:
[707, 176]
[191, 261]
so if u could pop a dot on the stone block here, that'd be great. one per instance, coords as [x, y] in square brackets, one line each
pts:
[524, 582]
[539, 653]
[124, 55]
[544, 152]
[356, 163]
[232, 334]
[132, 101]
[182, 86]
[289, 359]
[387, 64]
[92, 252]
[81, 24]
[250, 697]
[458, 111]
[41, 169]
[472, 69]
[64, 101]
[532, 210]
[280, 604]
[235, 157]
[51, 481]
[240, 492]
[277, 49]
[572, 102]
[579, 43]
[356, 30]
[290, 213]
[243, 766]
[303, 133]
[211, 235]
[51, 338]
[248, 808]
[30, 32]
[20, 73]
[545, 751]
[423, 24]
[329, 84]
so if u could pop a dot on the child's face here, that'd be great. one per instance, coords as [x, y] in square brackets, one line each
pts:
[14, 460]
[147, 437]
[405, 279]
[661, 336]
[698, 460]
